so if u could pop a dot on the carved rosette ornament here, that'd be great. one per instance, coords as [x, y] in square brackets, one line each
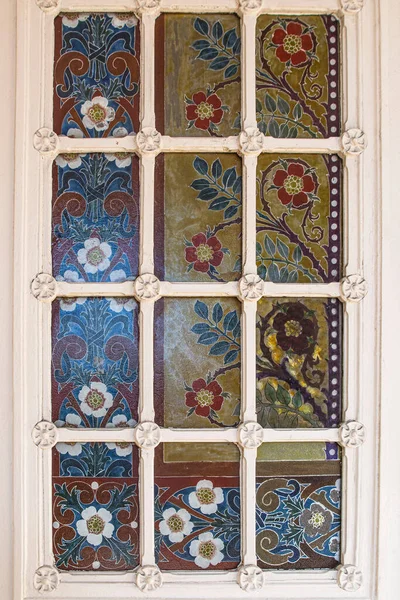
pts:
[48, 5]
[250, 435]
[354, 141]
[148, 140]
[249, 5]
[349, 578]
[45, 141]
[147, 287]
[45, 434]
[251, 287]
[251, 578]
[148, 6]
[352, 434]
[147, 435]
[251, 141]
[352, 6]
[44, 287]
[148, 579]
[353, 288]
[46, 579]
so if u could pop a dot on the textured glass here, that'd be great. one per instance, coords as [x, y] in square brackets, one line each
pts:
[299, 218]
[198, 217]
[197, 506]
[297, 76]
[198, 74]
[96, 74]
[197, 362]
[299, 369]
[298, 506]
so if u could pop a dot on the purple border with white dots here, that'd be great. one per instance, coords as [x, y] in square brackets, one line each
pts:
[332, 25]
[334, 250]
[334, 315]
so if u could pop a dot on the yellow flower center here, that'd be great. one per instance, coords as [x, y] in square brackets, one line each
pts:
[95, 256]
[317, 520]
[123, 16]
[95, 524]
[71, 16]
[97, 113]
[204, 253]
[293, 184]
[205, 110]
[69, 300]
[205, 495]
[292, 44]
[207, 550]
[95, 399]
[175, 524]
[293, 328]
[69, 156]
[204, 398]
[122, 155]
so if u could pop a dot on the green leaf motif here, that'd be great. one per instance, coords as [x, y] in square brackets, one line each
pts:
[201, 309]
[200, 165]
[283, 106]
[269, 102]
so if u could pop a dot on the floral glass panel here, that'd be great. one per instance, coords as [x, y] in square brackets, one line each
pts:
[95, 507]
[95, 217]
[297, 76]
[95, 362]
[198, 74]
[198, 217]
[299, 218]
[96, 74]
[298, 506]
[197, 362]
[299, 368]
[197, 506]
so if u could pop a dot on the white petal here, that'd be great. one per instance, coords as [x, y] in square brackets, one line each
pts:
[131, 423]
[74, 449]
[187, 528]
[120, 132]
[217, 558]
[105, 514]
[208, 509]
[81, 255]
[85, 106]
[110, 157]
[83, 393]
[206, 537]
[101, 126]
[62, 448]
[194, 548]
[60, 161]
[73, 419]
[204, 483]
[110, 445]
[202, 562]
[92, 243]
[95, 539]
[176, 536]
[88, 512]
[108, 400]
[119, 419]
[118, 275]
[85, 408]
[219, 544]
[75, 163]
[80, 300]
[110, 112]
[123, 162]
[108, 530]
[81, 527]
[115, 306]
[169, 513]
[100, 100]
[100, 412]
[75, 132]
[103, 265]
[59, 423]
[67, 307]
[106, 248]
[70, 275]
[129, 306]
[184, 515]
[219, 495]
[164, 529]
[99, 386]
[193, 500]
[90, 268]
[125, 451]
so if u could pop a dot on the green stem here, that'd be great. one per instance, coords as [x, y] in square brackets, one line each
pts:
[222, 49]
[223, 333]
[290, 120]
[222, 189]
[289, 263]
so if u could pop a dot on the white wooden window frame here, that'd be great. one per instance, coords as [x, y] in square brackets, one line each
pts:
[36, 147]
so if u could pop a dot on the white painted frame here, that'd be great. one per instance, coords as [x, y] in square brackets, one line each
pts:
[35, 152]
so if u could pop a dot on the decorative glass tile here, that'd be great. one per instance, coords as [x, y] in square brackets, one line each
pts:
[298, 506]
[95, 362]
[299, 367]
[95, 217]
[197, 362]
[299, 218]
[95, 511]
[297, 76]
[198, 217]
[96, 74]
[198, 74]
[197, 506]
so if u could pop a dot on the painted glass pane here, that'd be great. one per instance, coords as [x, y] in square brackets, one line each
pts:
[95, 362]
[298, 506]
[299, 218]
[95, 217]
[297, 76]
[197, 506]
[198, 217]
[299, 369]
[197, 362]
[198, 74]
[95, 507]
[96, 74]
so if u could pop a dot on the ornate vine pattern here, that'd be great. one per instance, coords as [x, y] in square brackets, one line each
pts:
[96, 74]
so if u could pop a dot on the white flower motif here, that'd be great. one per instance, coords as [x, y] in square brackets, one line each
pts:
[147, 434]
[176, 524]
[354, 288]
[250, 5]
[95, 255]
[44, 287]
[352, 6]
[148, 578]
[45, 434]
[71, 448]
[354, 141]
[251, 287]
[334, 547]
[46, 579]
[72, 19]
[251, 578]
[349, 578]
[122, 159]
[148, 140]
[251, 140]
[73, 161]
[121, 448]
[206, 497]
[120, 20]
[97, 114]
[147, 286]
[45, 141]
[68, 304]
[206, 550]
[121, 303]
[95, 399]
[352, 434]
[251, 434]
[74, 132]
[95, 524]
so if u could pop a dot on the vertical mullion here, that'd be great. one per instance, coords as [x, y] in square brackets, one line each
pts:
[147, 53]
[146, 405]
[249, 214]
[146, 484]
[249, 361]
[248, 503]
[147, 163]
[249, 70]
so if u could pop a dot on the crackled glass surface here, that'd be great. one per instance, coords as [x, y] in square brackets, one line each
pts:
[96, 74]
[297, 76]
[197, 506]
[198, 217]
[197, 74]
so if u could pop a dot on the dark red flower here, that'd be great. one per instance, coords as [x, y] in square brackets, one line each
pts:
[296, 329]
[292, 44]
[204, 252]
[204, 397]
[205, 110]
[293, 185]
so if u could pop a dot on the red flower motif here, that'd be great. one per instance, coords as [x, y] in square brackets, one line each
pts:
[204, 252]
[204, 397]
[205, 110]
[292, 45]
[293, 185]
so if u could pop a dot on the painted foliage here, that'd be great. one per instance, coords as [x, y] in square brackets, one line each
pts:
[299, 362]
[96, 74]
[198, 74]
[297, 76]
[198, 217]
[197, 507]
